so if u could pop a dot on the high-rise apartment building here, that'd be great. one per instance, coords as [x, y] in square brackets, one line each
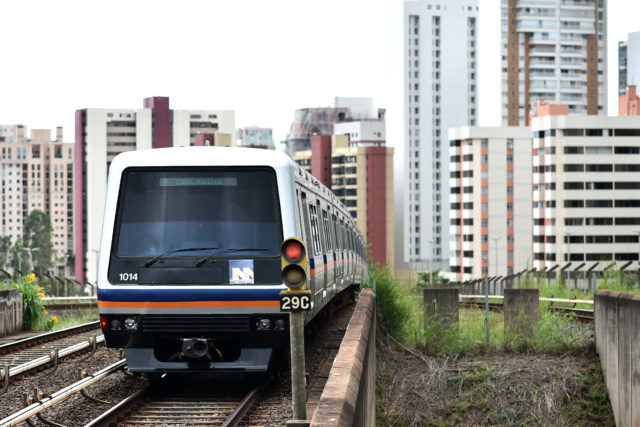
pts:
[440, 57]
[37, 173]
[586, 190]
[490, 185]
[629, 62]
[629, 102]
[357, 166]
[103, 133]
[320, 120]
[553, 50]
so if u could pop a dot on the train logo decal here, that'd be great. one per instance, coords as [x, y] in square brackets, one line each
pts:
[241, 272]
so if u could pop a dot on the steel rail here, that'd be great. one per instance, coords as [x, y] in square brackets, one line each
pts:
[565, 300]
[112, 413]
[115, 413]
[236, 416]
[70, 306]
[49, 336]
[60, 395]
[16, 370]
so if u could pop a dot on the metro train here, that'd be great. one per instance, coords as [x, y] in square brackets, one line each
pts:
[190, 263]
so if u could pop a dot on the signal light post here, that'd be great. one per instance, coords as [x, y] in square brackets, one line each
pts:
[295, 300]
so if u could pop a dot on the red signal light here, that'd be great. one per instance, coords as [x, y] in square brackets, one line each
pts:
[293, 250]
[103, 323]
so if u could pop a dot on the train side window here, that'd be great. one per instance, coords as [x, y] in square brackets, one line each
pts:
[327, 234]
[315, 233]
[305, 219]
[322, 238]
[334, 225]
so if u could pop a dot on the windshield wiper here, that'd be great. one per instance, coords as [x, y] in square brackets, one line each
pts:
[173, 251]
[203, 260]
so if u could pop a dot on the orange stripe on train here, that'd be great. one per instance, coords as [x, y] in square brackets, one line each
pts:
[183, 304]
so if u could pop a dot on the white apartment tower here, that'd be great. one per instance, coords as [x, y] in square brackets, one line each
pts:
[553, 50]
[586, 191]
[629, 62]
[490, 176]
[440, 45]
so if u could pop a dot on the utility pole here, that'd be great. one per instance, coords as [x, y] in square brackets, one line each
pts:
[495, 239]
[431, 242]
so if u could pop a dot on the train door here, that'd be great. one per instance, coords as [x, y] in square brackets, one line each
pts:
[327, 254]
[306, 229]
[315, 259]
[343, 251]
[337, 266]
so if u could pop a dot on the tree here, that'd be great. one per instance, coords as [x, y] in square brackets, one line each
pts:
[5, 247]
[37, 234]
[19, 258]
[424, 279]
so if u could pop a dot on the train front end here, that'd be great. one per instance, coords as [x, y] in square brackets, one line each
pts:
[189, 266]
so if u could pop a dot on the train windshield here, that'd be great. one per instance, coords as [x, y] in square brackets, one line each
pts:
[161, 210]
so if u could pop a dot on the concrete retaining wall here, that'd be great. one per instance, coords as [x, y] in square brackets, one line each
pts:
[349, 397]
[10, 312]
[617, 324]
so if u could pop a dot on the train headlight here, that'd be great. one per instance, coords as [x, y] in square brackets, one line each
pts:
[131, 324]
[294, 263]
[279, 326]
[263, 324]
[115, 324]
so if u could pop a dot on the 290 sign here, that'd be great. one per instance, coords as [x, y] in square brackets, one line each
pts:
[295, 302]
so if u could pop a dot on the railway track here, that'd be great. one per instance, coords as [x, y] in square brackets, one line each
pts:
[37, 402]
[69, 303]
[36, 352]
[582, 315]
[188, 403]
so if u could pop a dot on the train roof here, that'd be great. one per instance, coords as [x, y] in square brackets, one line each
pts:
[202, 156]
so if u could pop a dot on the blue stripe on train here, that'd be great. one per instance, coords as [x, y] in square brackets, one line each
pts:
[209, 294]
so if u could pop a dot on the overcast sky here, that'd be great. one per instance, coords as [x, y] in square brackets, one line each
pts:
[262, 59]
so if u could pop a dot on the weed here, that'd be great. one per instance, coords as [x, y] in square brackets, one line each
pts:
[591, 405]
[32, 294]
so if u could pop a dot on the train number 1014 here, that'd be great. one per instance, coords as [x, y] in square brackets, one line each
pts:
[127, 277]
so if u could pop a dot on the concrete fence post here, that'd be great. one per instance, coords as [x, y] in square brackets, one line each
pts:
[10, 312]
[441, 305]
[522, 312]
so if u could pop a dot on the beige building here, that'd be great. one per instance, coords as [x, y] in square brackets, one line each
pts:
[361, 176]
[586, 191]
[490, 176]
[37, 173]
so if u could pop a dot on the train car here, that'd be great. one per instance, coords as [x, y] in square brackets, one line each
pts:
[189, 270]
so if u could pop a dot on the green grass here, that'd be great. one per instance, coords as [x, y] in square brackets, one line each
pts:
[403, 315]
[591, 407]
[73, 318]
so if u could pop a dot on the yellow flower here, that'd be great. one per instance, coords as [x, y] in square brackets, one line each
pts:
[41, 294]
[55, 319]
[31, 277]
[46, 312]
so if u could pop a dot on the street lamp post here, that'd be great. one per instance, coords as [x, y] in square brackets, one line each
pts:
[31, 251]
[495, 239]
[568, 236]
[431, 242]
[638, 231]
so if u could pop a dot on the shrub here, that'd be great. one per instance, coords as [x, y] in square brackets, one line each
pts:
[32, 310]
